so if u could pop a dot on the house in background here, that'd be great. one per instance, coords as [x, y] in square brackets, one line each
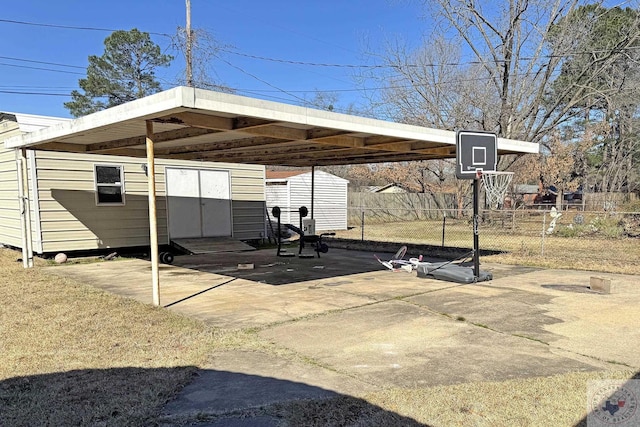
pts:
[94, 201]
[289, 190]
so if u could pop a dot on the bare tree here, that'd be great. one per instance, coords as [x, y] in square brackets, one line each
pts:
[495, 66]
[204, 49]
[491, 66]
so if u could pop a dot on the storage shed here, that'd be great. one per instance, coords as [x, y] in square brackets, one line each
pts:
[95, 201]
[292, 189]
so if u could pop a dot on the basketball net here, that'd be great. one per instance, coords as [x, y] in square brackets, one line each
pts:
[495, 187]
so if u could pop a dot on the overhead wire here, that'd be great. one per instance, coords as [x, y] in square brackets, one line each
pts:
[42, 62]
[72, 27]
[41, 68]
[410, 65]
[261, 80]
[291, 93]
[13, 92]
[295, 62]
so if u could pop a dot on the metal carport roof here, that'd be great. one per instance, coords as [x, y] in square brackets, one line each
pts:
[195, 124]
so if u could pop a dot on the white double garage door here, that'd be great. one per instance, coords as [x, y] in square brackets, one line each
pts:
[198, 202]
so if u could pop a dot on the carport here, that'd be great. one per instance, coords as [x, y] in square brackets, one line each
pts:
[194, 124]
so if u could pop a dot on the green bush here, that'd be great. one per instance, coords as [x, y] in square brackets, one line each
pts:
[571, 230]
[607, 227]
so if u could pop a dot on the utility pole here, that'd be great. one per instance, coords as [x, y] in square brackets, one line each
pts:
[189, 42]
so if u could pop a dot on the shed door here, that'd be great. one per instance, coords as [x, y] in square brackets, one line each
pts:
[199, 203]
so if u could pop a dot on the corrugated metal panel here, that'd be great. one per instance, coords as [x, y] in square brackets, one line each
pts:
[68, 207]
[277, 194]
[137, 223]
[67, 244]
[248, 219]
[10, 233]
[10, 212]
[69, 212]
[8, 129]
[330, 199]
[10, 228]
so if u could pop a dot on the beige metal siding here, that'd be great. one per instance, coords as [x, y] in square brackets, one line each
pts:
[10, 228]
[71, 220]
[9, 205]
[248, 219]
[10, 223]
[70, 217]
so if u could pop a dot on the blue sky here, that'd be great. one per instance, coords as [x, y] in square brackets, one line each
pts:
[322, 32]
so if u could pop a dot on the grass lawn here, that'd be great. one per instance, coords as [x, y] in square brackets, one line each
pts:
[522, 244]
[74, 355]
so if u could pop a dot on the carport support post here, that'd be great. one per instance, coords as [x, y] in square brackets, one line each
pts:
[153, 219]
[313, 176]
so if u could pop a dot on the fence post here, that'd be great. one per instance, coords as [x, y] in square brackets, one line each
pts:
[362, 226]
[544, 231]
[444, 223]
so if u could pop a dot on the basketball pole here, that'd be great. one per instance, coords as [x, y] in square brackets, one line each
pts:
[476, 223]
[476, 151]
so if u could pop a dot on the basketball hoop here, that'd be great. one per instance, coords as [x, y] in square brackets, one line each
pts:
[495, 186]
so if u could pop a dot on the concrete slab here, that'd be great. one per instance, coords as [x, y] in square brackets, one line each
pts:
[212, 287]
[400, 344]
[606, 327]
[556, 307]
[359, 327]
[238, 380]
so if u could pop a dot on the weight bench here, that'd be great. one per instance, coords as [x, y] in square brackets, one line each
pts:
[314, 240]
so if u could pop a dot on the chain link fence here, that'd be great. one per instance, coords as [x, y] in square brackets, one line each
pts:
[575, 235]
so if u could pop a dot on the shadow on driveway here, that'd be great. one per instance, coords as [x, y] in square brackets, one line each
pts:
[135, 396]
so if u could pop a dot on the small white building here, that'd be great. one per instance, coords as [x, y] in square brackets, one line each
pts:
[290, 190]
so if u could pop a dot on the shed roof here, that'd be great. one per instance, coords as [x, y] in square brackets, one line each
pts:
[269, 174]
[196, 124]
[283, 176]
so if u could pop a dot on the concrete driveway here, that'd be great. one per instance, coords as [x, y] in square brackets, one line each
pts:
[355, 327]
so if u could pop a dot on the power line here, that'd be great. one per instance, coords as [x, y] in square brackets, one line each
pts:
[71, 27]
[12, 92]
[41, 68]
[15, 87]
[292, 62]
[411, 65]
[42, 62]
[261, 80]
